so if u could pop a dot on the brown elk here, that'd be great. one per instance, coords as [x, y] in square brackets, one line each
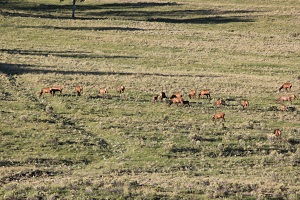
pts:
[277, 133]
[162, 96]
[78, 90]
[121, 89]
[204, 93]
[286, 86]
[245, 103]
[219, 102]
[46, 90]
[103, 91]
[218, 116]
[286, 98]
[56, 89]
[176, 99]
[283, 108]
[192, 94]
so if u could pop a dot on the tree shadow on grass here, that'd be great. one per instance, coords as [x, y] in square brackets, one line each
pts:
[70, 54]
[128, 11]
[78, 28]
[18, 69]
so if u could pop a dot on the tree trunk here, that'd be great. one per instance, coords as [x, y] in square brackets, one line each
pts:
[73, 9]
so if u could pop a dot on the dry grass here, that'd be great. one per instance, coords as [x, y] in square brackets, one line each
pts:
[124, 145]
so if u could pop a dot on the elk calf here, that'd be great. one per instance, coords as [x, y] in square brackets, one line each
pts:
[121, 89]
[103, 91]
[218, 116]
[245, 104]
[78, 90]
[277, 133]
[192, 94]
[219, 102]
[286, 86]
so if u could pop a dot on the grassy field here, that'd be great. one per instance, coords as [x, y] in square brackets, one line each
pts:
[125, 146]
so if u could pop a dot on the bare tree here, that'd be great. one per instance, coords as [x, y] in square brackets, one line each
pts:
[74, 6]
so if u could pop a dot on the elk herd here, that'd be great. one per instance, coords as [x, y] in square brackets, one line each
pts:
[177, 99]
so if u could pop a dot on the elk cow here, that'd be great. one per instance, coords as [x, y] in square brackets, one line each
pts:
[204, 93]
[245, 104]
[103, 91]
[218, 116]
[286, 98]
[192, 94]
[121, 89]
[286, 86]
[219, 102]
[277, 133]
[46, 90]
[176, 99]
[56, 89]
[78, 90]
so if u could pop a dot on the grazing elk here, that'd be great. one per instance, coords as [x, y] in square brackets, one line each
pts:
[78, 90]
[286, 86]
[286, 98]
[204, 93]
[219, 102]
[46, 90]
[162, 96]
[192, 94]
[121, 89]
[103, 91]
[245, 103]
[56, 89]
[218, 116]
[283, 108]
[277, 133]
[176, 99]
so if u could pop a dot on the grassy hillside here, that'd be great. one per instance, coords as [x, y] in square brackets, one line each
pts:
[125, 146]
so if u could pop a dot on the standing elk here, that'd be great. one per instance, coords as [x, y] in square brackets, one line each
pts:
[204, 93]
[103, 91]
[218, 116]
[46, 90]
[245, 103]
[56, 89]
[78, 90]
[286, 98]
[286, 86]
[192, 94]
[277, 133]
[121, 89]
